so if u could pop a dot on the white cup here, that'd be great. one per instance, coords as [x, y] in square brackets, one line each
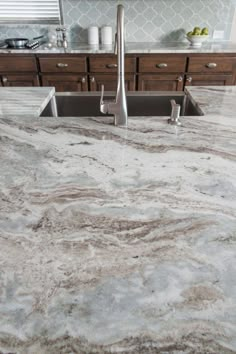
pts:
[106, 35]
[93, 36]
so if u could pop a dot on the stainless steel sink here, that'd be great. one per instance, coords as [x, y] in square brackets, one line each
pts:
[87, 104]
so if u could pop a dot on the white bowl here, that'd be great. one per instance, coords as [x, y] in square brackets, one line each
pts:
[196, 41]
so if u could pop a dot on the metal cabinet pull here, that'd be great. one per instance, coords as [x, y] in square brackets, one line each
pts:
[111, 66]
[83, 80]
[180, 78]
[4, 79]
[62, 65]
[211, 65]
[189, 79]
[161, 65]
[92, 79]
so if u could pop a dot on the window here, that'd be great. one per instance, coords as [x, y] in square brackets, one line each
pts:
[30, 11]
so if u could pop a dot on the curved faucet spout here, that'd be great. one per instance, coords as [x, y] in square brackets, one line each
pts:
[118, 107]
[122, 119]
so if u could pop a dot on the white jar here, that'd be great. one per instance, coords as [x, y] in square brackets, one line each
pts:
[93, 36]
[106, 35]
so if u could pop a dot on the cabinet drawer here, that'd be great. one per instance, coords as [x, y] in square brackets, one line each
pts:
[63, 64]
[17, 64]
[211, 64]
[161, 63]
[108, 64]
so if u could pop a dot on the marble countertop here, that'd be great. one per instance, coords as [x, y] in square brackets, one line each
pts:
[133, 48]
[18, 101]
[116, 240]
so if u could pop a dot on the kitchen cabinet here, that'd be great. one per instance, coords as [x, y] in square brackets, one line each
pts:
[64, 72]
[18, 70]
[20, 80]
[209, 80]
[63, 64]
[210, 70]
[103, 71]
[160, 63]
[108, 64]
[14, 63]
[161, 72]
[144, 72]
[210, 64]
[110, 82]
[163, 82]
[66, 82]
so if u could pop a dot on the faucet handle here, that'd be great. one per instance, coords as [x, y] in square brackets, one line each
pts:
[103, 105]
[102, 95]
[175, 113]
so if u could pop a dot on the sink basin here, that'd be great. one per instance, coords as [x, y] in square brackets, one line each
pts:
[87, 104]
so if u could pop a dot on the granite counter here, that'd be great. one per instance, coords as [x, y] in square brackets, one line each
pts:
[24, 101]
[132, 48]
[119, 240]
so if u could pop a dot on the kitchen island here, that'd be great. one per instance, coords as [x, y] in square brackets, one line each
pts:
[119, 240]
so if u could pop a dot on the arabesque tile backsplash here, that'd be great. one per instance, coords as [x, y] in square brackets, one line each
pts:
[146, 20]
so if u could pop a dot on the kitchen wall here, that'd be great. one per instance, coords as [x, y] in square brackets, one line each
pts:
[233, 29]
[146, 20]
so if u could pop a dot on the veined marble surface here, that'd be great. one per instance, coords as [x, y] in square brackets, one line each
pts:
[133, 48]
[116, 240]
[22, 101]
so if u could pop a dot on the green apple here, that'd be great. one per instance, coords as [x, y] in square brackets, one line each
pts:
[205, 31]
[196, 31]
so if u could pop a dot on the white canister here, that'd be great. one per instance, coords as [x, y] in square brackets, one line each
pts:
[93, 35]
[106, 35]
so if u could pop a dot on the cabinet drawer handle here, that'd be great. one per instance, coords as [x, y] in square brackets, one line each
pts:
[189, 79]
[161, 65]
[111, 66]
[180, 78]
[83, 80]
[4, 79]
[211, 65]
[62, 65]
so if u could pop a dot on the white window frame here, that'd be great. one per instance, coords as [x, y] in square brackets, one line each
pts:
[10, 7]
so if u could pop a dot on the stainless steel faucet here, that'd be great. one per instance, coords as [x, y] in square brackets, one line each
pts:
[118, 107]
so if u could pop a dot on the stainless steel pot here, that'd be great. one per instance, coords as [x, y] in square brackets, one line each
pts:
[17, 42]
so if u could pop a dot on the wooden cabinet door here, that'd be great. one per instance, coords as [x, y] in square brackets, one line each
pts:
[209, 80]
[164, 82]
[20, 80]
[66, 82]
[110, 82]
